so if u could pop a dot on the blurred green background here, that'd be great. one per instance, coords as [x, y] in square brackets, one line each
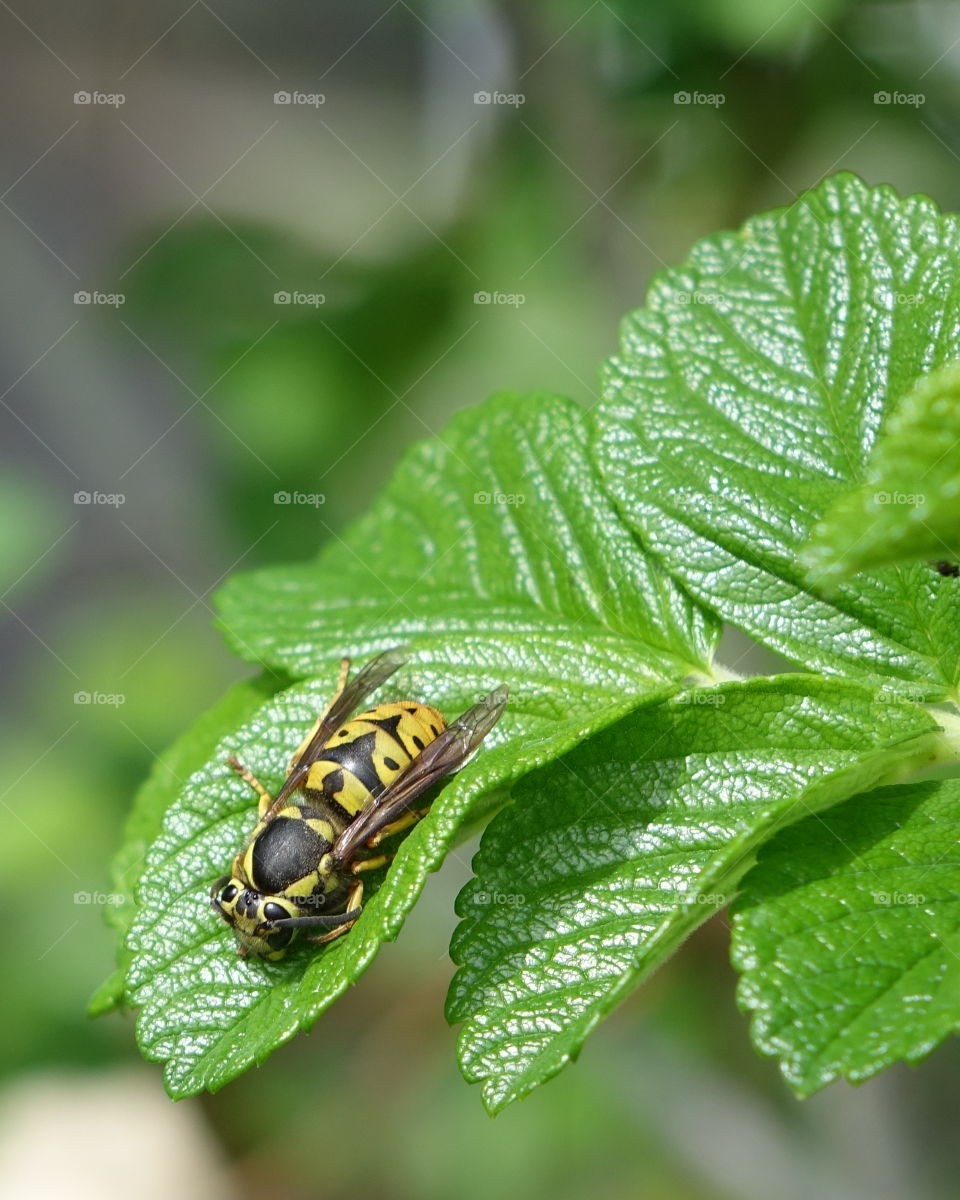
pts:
[339, 156]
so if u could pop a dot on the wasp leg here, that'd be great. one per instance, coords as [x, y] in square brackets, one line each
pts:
[369, 864]
[411, 817]
[354, 900]
[355, 896]
[248, 777]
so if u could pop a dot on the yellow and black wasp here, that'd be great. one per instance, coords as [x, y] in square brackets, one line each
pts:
[349, 785]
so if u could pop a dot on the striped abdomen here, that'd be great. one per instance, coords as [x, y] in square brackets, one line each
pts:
[367, 753]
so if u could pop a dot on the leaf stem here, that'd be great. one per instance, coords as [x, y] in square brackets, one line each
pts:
[714, 673]
[947, 745]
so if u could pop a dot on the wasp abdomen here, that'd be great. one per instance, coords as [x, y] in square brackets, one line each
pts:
[355, 757]
[367, 753]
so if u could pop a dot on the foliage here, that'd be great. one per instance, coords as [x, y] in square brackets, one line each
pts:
[587, 559]
[910, 508]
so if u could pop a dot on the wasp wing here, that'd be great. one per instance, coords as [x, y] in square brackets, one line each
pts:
[444, 755]
[376, 672]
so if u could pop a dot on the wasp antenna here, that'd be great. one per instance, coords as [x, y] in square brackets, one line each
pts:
[330, 921]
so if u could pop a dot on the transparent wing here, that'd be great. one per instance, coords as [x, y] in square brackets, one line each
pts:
[446, 754]
[376, 672]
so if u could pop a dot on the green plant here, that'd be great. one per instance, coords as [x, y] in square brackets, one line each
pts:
[589, 559]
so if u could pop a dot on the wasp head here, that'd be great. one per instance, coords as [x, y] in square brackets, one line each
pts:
[266, 924]
[259, 922]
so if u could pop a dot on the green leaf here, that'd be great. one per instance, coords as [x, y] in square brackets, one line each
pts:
[910, 509]
[746, 399]
[611, 856]
[158, 792]
[492, 551]
[210, 1014]
[493, 555]
[848, 935]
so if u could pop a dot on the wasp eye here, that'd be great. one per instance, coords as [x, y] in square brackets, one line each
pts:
[274, 912]
[228, 893]
[280, 939]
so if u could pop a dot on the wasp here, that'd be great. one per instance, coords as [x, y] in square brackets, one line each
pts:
[349, 785]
